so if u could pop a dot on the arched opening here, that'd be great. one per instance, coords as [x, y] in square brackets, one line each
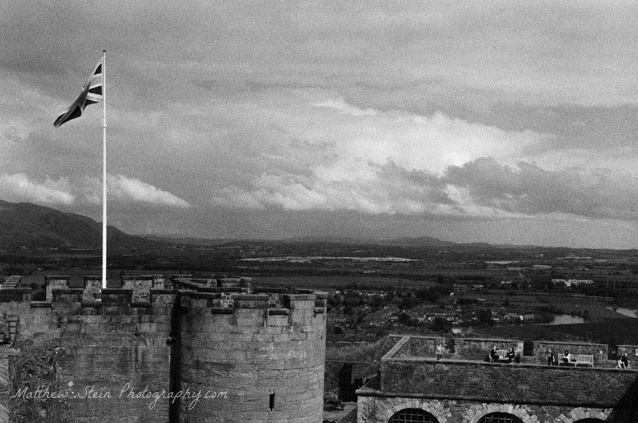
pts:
[500, 418]
[412, 415]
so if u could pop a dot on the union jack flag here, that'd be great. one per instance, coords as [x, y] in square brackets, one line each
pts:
[91, 93]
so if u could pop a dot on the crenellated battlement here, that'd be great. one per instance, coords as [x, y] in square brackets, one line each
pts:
[144, 295]
[211, 282]
[263, 348]
[255, 310]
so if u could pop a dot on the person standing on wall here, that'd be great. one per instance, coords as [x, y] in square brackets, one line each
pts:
[623, 361]
[439, 351]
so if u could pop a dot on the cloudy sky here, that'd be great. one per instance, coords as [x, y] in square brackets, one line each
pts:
[495, 121]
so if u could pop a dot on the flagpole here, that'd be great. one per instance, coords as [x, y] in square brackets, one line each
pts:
[104, 226]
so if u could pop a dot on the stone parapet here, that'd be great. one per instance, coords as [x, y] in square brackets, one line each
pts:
[515, 383]
[299, 306]
[142, 286]
[530, 352]
[260, 355]
[8, 295]
[55, 282]
[458, 388]
[225, 283]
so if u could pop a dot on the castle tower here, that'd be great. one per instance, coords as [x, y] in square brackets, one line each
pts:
[259, 360]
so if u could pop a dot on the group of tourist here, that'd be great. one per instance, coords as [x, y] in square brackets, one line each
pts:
[623, 362]
[552, 359]
[510, 356]
[513, 355]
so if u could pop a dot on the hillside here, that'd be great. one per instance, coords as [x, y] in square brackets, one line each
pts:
[34, 226]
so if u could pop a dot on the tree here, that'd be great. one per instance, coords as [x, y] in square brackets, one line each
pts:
[334, 300]
[586, 315]
[389, 296]
[408, 303]
[376, 302]
[439, 324]
[485, 317]
[404, 319]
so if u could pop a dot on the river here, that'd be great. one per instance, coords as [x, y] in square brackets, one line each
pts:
[566, 319]
[626, 312]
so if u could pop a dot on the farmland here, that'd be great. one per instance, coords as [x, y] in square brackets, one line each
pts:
[379, 288]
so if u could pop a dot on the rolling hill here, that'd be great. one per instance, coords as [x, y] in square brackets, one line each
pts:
[34, 226]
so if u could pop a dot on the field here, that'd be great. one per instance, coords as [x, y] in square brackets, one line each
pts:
[595, 307]
[340, 282]
[621, 331]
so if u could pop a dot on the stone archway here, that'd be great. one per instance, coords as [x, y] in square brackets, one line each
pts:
[412, 415]
[500, 418]
[586, 415]
[391, 406]
[519, 413]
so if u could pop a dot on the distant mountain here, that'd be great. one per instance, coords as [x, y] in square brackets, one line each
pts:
[34, 226]
[176, 239]
[424, 241]
[330, 239]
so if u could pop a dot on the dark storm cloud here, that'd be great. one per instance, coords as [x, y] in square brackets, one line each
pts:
[574, 127]
[368, 114]
[420, 186]
[528, 189]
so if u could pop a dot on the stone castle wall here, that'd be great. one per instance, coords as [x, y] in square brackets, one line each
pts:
[83, 355]
[109, 356]
[508, 382]
[531, 352]
[455, 389]
[375, 409]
